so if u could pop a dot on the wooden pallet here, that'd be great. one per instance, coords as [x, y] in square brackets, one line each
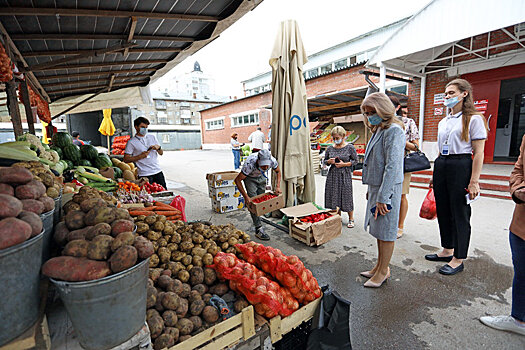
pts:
[280, 326]
[224, 334]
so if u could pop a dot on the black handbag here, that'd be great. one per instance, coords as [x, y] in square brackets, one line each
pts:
[416, 161]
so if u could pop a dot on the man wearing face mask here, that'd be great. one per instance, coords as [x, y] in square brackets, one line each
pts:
[143, 149]
[253, 174]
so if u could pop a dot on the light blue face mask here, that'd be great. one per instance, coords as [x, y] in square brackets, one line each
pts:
[143, 131]
[338, 142]
[374, 119]
[451, 102]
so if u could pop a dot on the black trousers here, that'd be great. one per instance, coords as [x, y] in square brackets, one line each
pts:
[451, 178]
[158, 178]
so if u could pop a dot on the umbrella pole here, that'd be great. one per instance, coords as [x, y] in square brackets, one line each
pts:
[109, 146]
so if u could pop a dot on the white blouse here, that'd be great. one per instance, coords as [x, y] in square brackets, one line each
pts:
[449, 132]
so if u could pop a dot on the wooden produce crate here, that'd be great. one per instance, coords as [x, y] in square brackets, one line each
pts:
[224, 334]
[266, 206]
[280, 326]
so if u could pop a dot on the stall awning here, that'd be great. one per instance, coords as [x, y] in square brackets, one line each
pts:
[440, 35]
[98, 46]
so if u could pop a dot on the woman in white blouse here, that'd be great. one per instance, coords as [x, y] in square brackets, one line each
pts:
[461, 141]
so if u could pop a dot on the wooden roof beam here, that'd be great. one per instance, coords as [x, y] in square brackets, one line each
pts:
[81, 52]
[59, 36]
[41, 11]
[87, 74]
[99, 64]
[89, 81]
[334, 106]
[132, 27]
[87, 53]
[94, 87]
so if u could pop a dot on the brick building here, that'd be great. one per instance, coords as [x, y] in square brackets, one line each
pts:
[334, 86]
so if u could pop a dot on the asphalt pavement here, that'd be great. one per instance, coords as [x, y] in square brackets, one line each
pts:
[417, 308]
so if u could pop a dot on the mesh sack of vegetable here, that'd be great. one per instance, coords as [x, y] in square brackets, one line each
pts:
[268, 297]
[288, 270]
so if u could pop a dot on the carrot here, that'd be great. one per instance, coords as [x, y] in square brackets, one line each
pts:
[152, 208]
[173, 217]
[163, 205]
[168, 213]
[166, 209]
[141, 212]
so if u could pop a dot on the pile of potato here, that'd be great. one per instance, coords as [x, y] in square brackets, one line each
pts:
[180, 286]
[23, 199]
[42, 173]
[97, 239]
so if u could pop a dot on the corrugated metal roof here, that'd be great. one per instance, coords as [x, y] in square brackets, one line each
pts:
[137, 41]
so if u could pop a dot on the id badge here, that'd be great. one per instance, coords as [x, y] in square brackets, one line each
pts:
[445, 150]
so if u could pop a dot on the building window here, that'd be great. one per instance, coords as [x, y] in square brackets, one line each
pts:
[166, 138]
[160, 104]
[353, 60]
[312, 73]
[326, 69]
[214, 124]
[340, 64]
[245, 120]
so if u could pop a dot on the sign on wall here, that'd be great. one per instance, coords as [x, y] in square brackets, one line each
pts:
[481, 105]
[439, 99]
[438, 111]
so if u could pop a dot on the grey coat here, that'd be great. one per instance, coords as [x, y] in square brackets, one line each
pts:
[383, 173]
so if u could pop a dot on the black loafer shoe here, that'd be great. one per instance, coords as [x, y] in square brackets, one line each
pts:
[449, 270]
[435, 257]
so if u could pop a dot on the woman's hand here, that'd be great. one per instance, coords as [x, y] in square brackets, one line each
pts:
[381, 209]
[330, 161]
[473, 189]
[341, 165]
[520, 194]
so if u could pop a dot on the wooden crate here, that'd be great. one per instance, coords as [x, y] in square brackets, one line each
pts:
[224, 334]
[280, 326]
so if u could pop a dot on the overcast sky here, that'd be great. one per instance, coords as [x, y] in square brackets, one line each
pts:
[243, 50]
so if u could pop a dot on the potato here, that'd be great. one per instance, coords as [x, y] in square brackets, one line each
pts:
[183, 276]
[32, 190]
[155, 274]
[196, 275]
[225, 246]
[153, 235]
[158, 226]
[70, 206]
[151, 219]
[184, 337]
[213, 250]
[240, 304]
[33, 220]
[197, 238]
[7, 189]
[144, 247]
[168, 230]
[88, 204]
[182, 310]
[210, 276]
[161, 218]
[151, 298]
[164, 341]
[197, 322]
[175, 286]
[163, 242]
[119, 226]
[185, 326]
[11, 206]
[98, 215]
[156, 326]
[178, 256]
[125, 238]
[194, 295]
[33, 205]
[124, 258]
[210, 314]
[158, 304]
[174, 332]
[100, 247]
[77, 234]
[154, 261]
[189, 267]
[187, 260]
[170, 301]
[13, 231]
[206, 297]
[186, 246]
[151, 312]
[197, 261]
[231, 250]
[175, 238]
[61, 232]
[76, 248]
[207, 259]
[75, 220]
[142, 227]
[99, 229]
[121, 214]
[164, 281]
[200, 288]
[164, 254]
[73, 269]
[186, 290]
[15, 175]
[220, 289]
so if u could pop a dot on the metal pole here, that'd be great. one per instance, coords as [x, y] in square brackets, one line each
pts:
[382, 78]
[422, 109]
[24, 91]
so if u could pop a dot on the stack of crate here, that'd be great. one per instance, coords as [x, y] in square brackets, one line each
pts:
[316, 161]
[225, 196]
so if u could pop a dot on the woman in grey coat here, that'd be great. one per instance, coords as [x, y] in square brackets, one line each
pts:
[383, 173]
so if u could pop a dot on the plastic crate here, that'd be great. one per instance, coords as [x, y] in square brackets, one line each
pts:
[296, 339]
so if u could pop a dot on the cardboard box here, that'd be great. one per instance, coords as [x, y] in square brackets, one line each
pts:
[312, 234]
[266, 206]
[221, 179]
[227, 205]
[224, 192]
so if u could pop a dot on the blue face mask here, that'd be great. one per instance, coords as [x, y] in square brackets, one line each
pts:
[451, 102]
[143, 131]
[374, 119]
[338, 142]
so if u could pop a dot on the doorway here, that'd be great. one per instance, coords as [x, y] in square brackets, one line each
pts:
[511, 120]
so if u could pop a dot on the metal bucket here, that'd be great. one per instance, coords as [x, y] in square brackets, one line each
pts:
[19, 287]
[48, 225]
[58, 209]
[108, 311]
